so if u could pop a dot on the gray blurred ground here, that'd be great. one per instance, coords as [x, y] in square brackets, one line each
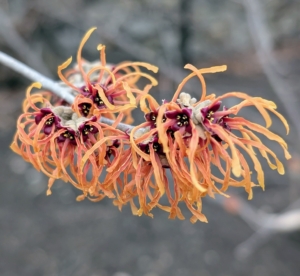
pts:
[55, 235]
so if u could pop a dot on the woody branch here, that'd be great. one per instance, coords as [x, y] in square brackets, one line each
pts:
[50, 85]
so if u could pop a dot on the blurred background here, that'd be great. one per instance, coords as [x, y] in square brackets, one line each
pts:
[259, 40]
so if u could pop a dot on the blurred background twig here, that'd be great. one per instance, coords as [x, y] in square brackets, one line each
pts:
[263, 42]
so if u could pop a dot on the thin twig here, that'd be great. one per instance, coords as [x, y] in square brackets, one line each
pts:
[263, 45]
[265, 225]
[123, 127]
[263, 34]
[50, 85]
[285, 222]
[241, 208]
[33, 75]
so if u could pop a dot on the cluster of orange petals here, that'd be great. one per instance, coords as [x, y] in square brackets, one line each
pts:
[173, 154]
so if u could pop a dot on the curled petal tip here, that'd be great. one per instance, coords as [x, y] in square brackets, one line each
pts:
[36, 85]
[187, 66]
[80, 198]
[281, 170]
[100, 46]
[237, 171]
[65, 64]
[91, 30]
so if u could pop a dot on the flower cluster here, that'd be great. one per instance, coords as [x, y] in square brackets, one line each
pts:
[199, 143]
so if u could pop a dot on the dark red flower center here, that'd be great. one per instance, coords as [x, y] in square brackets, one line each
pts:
[50, 121]
[85, 108]
[152, 118]
[89, 129]
[212, 115]
[68, 135]
[90, 91]
[182, 120]
[109, 151]
[209, 116]
[48, 125]
[86, 129]
[155, 145]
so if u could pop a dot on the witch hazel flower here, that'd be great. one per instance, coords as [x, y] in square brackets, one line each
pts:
[56, 140]
[168, 130]
[116, 159]
[106, 89]
[151, 161]
[217, 126]
[174, 153]
[180, 120]
[194, 136]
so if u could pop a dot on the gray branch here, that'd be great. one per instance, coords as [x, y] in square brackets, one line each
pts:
[49, 84]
